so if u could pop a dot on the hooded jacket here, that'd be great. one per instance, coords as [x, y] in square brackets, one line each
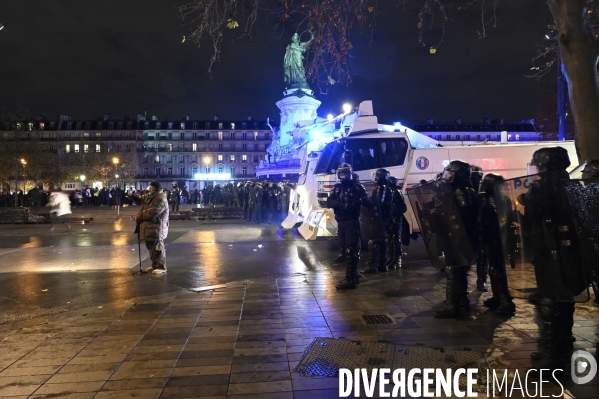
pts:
[153, 217]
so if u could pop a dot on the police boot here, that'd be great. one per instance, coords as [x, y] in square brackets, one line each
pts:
[351, 270]
[506, 305]
[550, 335]
[390, 253]
[373, 258]
[397, 252]
[482, 268]
[451, 305]
[462, 278]
[493, 302]
[383, 256]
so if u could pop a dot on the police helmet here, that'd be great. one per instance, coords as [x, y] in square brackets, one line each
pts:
[174, 184]
[486, 186]
[591, 170]
[381, 175]
[344, 172]
[393, 182]
[458, 172]
[476, 176]
[550, 158]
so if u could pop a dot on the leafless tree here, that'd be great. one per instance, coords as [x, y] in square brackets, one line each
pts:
[333, 21]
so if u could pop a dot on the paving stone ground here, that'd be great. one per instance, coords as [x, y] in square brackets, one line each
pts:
[244, 339]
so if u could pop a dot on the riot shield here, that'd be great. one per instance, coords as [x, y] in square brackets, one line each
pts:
[445, 237]
[235, 195]
[583, 200]
[540, 256]
[371, 224]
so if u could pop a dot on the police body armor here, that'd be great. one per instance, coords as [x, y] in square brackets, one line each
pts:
[538, 240]
[582, 197]
[373, 222]
[348, 197]
[447, 240]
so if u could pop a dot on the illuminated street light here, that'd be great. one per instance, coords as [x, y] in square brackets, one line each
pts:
[347, 108]
[330, 117]
[115, 161]
[82, 177]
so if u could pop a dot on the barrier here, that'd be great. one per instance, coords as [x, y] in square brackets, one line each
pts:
[218, 213]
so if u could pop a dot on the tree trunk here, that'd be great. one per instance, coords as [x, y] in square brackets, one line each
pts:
[579, 51]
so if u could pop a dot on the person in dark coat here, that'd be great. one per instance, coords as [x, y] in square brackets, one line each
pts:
[153, 226]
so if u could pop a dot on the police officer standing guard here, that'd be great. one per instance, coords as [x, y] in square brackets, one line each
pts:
[490, 253]
[458, 174]
[378, 223]
[556, 258]
[346, 199]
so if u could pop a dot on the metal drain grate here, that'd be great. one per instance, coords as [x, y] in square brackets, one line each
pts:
[378, 319]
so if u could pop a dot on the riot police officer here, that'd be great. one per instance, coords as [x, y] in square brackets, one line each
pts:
[175, 197]
[394, 231]
[556, 260]
[346, 199]
[382, 200]
[458, 174]
[490, 253]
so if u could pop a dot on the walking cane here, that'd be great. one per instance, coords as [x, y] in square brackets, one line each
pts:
[141, 272]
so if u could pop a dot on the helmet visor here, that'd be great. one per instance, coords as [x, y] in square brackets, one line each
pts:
[448, 174]
[344, 175]
[535, 169]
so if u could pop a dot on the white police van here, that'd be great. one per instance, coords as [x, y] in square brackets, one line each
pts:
[410, 156]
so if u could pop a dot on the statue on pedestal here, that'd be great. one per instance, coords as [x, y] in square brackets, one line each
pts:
[295, 74]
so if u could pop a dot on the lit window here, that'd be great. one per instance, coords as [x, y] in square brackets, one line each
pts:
[255, 135]
[194, 147]
[220, 125]
[97, 147]
[76, 147]
[517, 137]
[232, 126]
[182, 127]
[220, 158]
[220, 135]
[67, 148]
[41, 125]
[244, 158]
[232, 158]
[85, 148]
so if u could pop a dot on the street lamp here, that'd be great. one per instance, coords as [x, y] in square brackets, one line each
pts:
[207, 161]
[82, 178]
[116, 161]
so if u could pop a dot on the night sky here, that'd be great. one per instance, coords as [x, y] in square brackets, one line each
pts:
[86, 58]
